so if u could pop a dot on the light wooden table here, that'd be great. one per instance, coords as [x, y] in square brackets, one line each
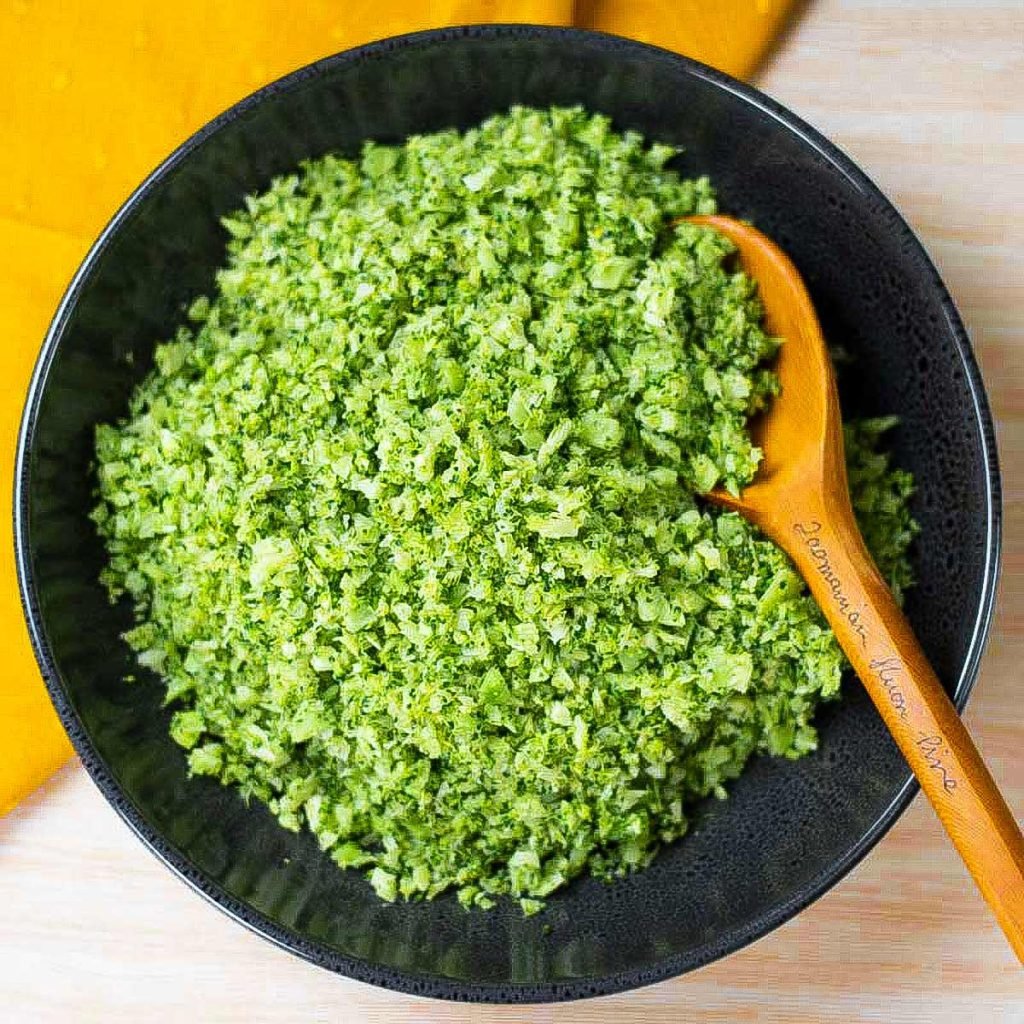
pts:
[927, 96]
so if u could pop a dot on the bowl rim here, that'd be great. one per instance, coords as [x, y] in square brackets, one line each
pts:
[422, 983]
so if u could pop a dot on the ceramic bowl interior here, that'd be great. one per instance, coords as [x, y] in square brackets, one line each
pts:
[789, 829]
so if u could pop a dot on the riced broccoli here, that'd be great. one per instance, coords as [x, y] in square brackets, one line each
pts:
[410, 513]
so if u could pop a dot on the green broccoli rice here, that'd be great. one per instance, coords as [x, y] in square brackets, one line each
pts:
[409, 512]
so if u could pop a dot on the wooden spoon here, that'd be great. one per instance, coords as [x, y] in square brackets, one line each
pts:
[800, 499]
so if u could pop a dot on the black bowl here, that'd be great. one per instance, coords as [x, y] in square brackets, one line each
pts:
[789, 829]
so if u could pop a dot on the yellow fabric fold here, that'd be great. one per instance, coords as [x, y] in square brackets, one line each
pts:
[96, 94]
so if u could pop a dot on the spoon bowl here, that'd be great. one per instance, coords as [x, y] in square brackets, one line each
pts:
[804, 432]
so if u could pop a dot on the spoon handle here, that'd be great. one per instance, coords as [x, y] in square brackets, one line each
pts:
[826, 545]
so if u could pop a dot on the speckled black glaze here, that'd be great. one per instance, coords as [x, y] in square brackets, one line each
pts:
[789, 830]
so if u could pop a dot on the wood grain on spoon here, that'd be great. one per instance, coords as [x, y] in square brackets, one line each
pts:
[801, 500]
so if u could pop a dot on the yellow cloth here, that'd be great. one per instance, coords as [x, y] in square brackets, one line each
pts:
[95, 94]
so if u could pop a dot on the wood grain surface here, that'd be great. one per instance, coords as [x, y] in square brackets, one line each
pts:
[928, 96]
